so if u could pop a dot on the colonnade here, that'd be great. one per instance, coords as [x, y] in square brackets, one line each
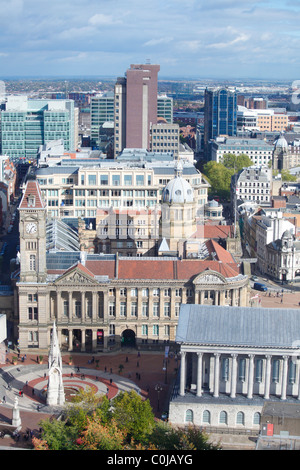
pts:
[233, 379]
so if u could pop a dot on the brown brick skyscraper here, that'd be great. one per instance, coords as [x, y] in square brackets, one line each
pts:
[135, 107]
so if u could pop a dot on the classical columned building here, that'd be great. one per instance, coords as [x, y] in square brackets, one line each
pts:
[98, 301]
[232, 360]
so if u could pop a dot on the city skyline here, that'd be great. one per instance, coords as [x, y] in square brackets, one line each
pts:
[188, 38]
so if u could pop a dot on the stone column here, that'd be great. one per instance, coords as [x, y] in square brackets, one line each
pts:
[250, 376]
[83, 306]
[70, 339]
[94, 306]
[284, 377]
[182, 373]
[105, 306]
[83, 340]
[217, 374]
[199, 374]
[233, 375]
[70, 305]
[268, 377]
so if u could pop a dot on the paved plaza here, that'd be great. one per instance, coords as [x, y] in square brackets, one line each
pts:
[27, 381]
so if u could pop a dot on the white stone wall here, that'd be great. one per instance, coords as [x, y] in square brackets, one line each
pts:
[177, 413]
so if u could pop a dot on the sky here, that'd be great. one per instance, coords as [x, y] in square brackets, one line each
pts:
[187, 38]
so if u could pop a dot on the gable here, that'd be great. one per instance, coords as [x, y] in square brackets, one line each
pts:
[76, 276]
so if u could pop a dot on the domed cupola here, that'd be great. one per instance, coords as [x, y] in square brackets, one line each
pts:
[178, 190]
[281, 143]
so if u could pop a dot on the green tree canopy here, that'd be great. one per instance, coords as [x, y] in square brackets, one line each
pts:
[219, 178]
[125, 423]
[236, 162]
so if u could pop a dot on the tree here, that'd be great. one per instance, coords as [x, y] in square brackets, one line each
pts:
[236, 162]
[133, 413]
[219, 178]
[166, 437]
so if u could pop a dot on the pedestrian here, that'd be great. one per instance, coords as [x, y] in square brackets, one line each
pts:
[4, 399]
[110, 381]
[138, 364]
[105, 366]
[45, 375]
[281, 300]
[32, 391]
[126, 358]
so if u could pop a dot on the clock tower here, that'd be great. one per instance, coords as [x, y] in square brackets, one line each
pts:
[32, 227]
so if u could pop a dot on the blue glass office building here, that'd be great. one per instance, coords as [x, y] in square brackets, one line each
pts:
[220, 113]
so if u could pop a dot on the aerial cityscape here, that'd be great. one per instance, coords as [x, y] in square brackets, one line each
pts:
[150, 227]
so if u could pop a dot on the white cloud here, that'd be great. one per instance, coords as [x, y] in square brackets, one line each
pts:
[156, 42]
[103, 20]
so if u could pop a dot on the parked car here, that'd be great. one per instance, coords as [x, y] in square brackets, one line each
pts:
[254, 278]
[260, 286]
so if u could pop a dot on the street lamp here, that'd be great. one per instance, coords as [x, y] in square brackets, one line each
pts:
[158, 388]
[165, 368]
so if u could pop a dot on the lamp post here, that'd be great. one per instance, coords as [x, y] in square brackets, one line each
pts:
[158, 388]
[165, 368]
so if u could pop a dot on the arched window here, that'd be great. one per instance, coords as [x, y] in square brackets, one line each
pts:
[189, 416]
[206, 417]
[256, 418]
[223, 417]
[240, 418]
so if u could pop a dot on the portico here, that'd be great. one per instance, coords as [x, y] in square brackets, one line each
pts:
[232, 360]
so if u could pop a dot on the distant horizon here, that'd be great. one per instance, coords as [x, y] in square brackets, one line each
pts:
[164, 78]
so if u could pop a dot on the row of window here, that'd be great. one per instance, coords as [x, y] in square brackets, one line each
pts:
[258, 372]
[223, 417]
[145, 330]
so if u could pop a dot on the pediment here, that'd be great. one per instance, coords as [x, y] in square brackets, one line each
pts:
[209, 277]
[76, 277]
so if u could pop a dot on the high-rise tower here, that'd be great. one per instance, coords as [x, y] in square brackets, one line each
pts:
[220, 113]
[135, 107]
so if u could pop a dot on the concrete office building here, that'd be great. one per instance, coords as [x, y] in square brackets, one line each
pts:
[135, 107]
[76, 188]
[259, 151]
[26, 124]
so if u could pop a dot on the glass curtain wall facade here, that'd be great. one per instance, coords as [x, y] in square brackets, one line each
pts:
[23, 131]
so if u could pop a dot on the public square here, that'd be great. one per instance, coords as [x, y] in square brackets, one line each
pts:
[142, 372]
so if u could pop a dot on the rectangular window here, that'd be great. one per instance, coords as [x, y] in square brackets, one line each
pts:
[122, 309]
[144, 330]
[155, 330]
[111, 309]
[144, 309]
[134, 309]
[167, 309]
[156, 309]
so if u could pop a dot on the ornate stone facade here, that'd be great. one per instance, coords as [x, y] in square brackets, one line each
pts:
[99, 302]
[233, 360]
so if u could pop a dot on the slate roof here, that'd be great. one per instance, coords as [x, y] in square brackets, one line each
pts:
[238, 326]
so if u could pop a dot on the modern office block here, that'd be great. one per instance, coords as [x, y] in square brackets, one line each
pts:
[102, 110]
[220, 113]
[27, 124]
[135, 107]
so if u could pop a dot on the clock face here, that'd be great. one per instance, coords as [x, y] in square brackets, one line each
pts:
[31, 227]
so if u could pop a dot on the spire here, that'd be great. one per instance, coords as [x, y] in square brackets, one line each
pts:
[55, 392]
